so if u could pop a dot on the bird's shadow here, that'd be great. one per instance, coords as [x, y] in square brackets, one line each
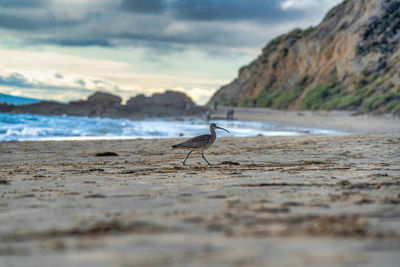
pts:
[204, 167]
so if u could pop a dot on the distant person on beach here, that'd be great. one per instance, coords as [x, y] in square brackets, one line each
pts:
[229, 114]
[208, 115]
[215, 105]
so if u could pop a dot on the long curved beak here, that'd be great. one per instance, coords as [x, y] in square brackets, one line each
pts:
[222, 129]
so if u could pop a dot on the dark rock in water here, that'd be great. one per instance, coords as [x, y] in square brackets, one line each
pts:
[100, 99]
[45, 108]
[5, 107]
[170, 103]
[104, 99]
[106, 154]
[102, 104]
[137, 101]
[169, 98]
[99, 104]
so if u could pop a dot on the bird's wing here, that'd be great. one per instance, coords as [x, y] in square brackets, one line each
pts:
[195, 142]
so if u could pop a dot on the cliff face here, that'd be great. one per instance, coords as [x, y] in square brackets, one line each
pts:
[350, 61]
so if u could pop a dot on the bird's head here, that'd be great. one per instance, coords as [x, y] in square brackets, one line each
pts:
[214, 126]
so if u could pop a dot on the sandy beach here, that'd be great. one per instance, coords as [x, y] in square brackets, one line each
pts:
[335, 120]
[266, 201]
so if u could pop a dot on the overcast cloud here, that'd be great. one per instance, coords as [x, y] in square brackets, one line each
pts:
[218, 28]
[171, 22]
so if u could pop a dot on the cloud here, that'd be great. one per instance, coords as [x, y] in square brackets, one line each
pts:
[144, 6]
[50, 85]
[14, 79]
[144, 45]
[214, 10]
[78, 42]
[149, 23]
[58, 75]
[22, 3]
[54, 83]
[20, 23]
[39, 21]
[307, 4]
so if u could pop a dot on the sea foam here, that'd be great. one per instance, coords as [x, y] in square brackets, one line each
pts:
[22, 127]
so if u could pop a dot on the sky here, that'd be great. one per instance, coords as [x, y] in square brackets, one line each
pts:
[67, 49]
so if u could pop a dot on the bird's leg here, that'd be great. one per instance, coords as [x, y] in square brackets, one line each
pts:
[184, 162]
[205, 159]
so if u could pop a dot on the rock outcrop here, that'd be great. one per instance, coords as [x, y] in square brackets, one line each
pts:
[101, 104]
[98, 104]
[44, 108]
[351, 60]
[168, 103]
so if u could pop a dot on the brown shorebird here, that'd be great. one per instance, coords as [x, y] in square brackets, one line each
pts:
[200, 143]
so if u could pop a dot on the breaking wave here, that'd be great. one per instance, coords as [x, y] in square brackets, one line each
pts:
[23, 127]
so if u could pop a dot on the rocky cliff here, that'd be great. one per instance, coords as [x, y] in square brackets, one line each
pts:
[170, 103]
[351, 61]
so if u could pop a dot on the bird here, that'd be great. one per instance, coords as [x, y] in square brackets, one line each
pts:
[200, 143]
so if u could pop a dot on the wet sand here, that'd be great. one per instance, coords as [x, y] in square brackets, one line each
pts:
[281, 201]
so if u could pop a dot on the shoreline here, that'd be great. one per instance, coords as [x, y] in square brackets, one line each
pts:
[49, 128]
[340, 121]
[334, 120]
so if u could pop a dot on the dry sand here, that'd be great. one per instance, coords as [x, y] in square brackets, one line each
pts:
[280, 201]
[335, 120]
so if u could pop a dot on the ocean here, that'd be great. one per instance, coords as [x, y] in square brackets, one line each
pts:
[29, 127]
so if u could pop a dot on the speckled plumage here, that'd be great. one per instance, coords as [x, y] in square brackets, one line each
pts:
[199, 143]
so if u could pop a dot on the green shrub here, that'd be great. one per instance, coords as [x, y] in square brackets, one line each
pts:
[277, 99]
[373, 77]
[248, 102]
[331, 104]
[314, 98]
[392, 106]
[263, 99]
[384, 99]
[332, 96]
[349, 102]
[389, 102]
[367, 105]
[296, 33]
[396, 109]
[319, 95]
[225, 102]
[342, 101]
[367, 93]
[284, 99]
